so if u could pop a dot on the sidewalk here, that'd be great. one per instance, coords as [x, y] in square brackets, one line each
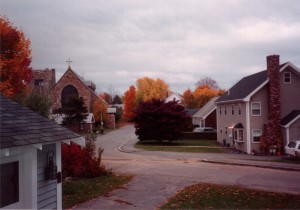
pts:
[256, 163]
[272, 162]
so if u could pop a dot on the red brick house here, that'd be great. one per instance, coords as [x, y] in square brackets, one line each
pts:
[265, 104]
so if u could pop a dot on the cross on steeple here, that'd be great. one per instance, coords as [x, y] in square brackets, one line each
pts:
[69, 62]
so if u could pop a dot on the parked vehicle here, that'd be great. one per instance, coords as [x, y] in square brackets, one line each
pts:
[204, 129]
[293, 148]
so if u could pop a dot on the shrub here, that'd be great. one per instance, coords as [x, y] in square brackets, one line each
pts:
[157, 120]
[82, 162]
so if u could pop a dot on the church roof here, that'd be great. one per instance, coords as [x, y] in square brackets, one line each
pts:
[87, 84]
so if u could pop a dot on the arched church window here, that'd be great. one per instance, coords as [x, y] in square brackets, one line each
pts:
[66, 93]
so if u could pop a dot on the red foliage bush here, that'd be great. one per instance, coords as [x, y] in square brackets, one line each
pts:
[159, 120]
[77, 162]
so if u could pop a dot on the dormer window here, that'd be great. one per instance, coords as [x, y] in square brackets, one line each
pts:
[287, 77]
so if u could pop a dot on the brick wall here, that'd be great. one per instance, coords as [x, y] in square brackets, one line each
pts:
[273, 134]
[70, 78]
[43, 80]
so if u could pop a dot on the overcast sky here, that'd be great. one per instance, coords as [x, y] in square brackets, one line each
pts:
[113, 43]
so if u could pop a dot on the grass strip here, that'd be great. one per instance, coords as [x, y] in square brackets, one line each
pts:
[212, 196]
[173, 146]
[81, 190]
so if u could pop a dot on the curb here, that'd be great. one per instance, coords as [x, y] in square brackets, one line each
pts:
[122, 150]
[252, 165]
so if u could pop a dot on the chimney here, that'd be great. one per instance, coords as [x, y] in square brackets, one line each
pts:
[273, 134]
[274, 88]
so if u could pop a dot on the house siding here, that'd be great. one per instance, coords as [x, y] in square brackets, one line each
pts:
[226, 122]
[257, 122]
[295, 130]
[292, 132]
[210, 120]
[289, 92]
[46, 189]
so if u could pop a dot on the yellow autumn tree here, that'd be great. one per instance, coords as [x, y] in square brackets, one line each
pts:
[148, 89]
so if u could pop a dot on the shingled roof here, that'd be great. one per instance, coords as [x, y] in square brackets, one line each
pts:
[295, 114]
[21, 126]
[245, 86]
[208, 108]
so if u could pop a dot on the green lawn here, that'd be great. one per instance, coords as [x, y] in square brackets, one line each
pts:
[80, 190]
[181, 146]
[212, 196]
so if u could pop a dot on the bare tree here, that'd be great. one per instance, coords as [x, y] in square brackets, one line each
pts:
[209, 82]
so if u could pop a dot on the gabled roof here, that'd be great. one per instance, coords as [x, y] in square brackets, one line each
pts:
[172, 96]
[85, 83]
[248, 85]
[21, 126]
[206, 109]
[290, 118]
[191, 112]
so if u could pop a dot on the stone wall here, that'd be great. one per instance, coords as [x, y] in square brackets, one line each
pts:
[43, 80]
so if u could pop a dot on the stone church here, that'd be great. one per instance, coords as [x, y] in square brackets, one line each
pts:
[71, 84]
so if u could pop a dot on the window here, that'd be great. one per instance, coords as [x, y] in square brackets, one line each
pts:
[238, 135]
[225, 130]
[67, 92]
[220, 110]
[225, 111]
[38, 82]
[232, 109]
[255, 109]
[256, 134]
[240, 109]
[9, 183]
[287, 77]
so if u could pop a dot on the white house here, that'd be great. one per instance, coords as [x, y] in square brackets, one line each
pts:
[206, 116]
[30, 151]
[174, 97]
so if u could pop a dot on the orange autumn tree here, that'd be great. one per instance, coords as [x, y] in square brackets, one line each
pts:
[129, 103]
[15, 59]
[206, 89]
[188, 99]
[100, 111]
[148, 89]
[203, 94]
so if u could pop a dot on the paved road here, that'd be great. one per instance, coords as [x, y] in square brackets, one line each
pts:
[159, 175]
